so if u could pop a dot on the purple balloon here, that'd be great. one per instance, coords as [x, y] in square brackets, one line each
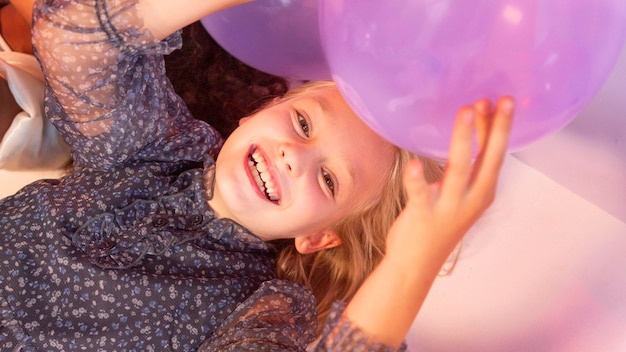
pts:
[407, 66]
[275, 36]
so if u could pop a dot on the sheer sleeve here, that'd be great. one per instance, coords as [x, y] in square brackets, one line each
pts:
[107, 92]
[281, 316]
[340, 334]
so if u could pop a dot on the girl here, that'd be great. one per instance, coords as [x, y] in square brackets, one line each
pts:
[150, 244]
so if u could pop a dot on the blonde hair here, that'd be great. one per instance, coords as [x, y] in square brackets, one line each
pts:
[336, 273]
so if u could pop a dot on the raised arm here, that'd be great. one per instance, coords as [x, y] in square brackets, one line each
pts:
[109, 95]
[162, 18]
[433, 222]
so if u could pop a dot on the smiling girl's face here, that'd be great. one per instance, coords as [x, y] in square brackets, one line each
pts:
[299, 166]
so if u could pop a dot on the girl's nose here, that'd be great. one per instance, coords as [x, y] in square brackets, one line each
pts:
[296, 157]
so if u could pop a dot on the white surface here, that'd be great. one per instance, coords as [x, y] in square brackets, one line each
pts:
[545, 268]
[31, 142]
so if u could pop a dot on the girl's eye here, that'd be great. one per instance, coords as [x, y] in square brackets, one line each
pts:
[328, 180]
[304, 124]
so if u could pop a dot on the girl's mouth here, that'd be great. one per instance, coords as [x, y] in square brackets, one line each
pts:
[259, 169]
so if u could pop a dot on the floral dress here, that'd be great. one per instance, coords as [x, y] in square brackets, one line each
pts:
[124, 253]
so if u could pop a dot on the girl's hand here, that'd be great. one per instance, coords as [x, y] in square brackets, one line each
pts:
[437, 216]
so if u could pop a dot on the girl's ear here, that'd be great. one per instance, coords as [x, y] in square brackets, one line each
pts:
[317, 241]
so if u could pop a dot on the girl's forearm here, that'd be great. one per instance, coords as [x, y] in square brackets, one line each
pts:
[161, 17]
[164, 17]
[387, 303]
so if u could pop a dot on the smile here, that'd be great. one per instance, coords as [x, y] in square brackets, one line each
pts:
[261, 174]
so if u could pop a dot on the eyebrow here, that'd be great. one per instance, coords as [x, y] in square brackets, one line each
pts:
[351, 173]
[322, 104]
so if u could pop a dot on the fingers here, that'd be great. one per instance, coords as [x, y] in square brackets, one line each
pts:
[499, 131]
[417, 188]
[494, 147]
[459, 165]
[492, 133]
[483, 122]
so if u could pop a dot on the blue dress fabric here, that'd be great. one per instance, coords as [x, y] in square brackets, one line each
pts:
[124, 253]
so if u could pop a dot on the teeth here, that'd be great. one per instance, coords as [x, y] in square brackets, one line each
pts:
[265, 175]
[262, 177]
